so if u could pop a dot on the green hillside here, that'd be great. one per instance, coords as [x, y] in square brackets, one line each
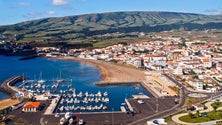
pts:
[79, 27]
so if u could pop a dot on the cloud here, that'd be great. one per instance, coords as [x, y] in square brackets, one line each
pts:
[20, 4]
[213, 11]
[60, 2]
[50, 12]
[24, 4]
[33, 15]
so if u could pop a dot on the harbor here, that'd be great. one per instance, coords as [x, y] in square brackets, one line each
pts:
[92, 107]
[64, 97]
[77, 94]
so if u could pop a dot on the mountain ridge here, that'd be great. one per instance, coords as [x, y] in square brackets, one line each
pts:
[82, 26]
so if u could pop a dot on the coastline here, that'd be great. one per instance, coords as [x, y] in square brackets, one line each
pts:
[5, 103]
[110, 72]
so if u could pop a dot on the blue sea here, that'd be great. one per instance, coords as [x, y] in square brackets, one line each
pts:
[83, 76]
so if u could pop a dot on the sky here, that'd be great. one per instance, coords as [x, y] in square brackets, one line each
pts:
[15, 11]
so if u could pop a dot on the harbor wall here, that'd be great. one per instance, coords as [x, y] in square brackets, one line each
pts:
[6, 86]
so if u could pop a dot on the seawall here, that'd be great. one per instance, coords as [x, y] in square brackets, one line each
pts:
[7, 86]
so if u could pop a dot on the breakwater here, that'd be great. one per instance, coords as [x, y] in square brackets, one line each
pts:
[7, 85]
[116, 83]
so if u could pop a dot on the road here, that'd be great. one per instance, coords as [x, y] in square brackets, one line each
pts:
[179, 107]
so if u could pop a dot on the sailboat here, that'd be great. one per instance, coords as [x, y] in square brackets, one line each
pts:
[41, 81]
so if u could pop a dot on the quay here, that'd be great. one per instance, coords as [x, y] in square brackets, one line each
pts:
[53, 105]
[7, 86]
[116, 83]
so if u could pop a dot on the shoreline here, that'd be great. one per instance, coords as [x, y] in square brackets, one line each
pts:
[110, 72]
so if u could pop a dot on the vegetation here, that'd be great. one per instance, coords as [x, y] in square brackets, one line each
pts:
[190, 100]
[175, 89]
[197, 118]
[204, 117]
[101, 29]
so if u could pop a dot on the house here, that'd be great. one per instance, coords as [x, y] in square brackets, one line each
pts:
[207, 62]
[31, 107]
[198, 106]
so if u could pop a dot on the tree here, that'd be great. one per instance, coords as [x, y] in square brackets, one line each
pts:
[191, 115]
[198, 113]
[215, 108]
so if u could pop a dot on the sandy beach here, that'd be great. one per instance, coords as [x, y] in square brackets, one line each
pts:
[8, 102]
[113, 72]
[109, 73]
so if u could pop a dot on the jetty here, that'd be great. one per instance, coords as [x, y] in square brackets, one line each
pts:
[7, 85]
[116, 83]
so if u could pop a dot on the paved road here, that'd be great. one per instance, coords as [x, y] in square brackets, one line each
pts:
[165, 113]
[179, 107]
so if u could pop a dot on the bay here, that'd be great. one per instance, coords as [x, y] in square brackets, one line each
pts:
[83, 76]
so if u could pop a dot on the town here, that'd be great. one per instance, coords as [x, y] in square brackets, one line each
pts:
[195, 64]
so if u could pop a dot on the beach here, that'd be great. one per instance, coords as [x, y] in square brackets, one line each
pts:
[111, 72]
[8, 102]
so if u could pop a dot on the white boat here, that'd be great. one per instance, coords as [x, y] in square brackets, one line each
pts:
[76, 101]
[105, 108]
[67, 115]
[106, 100]
[86, 94]
[61, 108]
[62, 121]
[99, 94]
[71, 121]
[91, 95]
[41, 81]
[62, 100]
[105, 94]
[96, 100]
[74, 94]
[80, 94]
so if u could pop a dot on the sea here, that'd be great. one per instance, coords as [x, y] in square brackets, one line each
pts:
[83, 77]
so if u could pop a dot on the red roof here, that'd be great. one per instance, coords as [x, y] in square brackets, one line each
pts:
[206, 59]
[32, 105]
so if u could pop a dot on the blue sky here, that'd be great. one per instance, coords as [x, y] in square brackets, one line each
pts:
[15, 11]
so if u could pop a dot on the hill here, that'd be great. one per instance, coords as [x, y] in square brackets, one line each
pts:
[77, 27]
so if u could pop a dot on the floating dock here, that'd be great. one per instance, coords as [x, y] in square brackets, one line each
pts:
[140, 96]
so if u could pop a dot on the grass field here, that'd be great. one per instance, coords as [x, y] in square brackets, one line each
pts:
[208, 116]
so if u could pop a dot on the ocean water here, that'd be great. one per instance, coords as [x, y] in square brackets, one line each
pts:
[83, 76]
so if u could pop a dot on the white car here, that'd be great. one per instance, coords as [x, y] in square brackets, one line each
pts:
[140, 101]
[80, 121]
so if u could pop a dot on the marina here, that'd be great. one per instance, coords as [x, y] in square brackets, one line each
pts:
[63, 77]
[65, 98]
